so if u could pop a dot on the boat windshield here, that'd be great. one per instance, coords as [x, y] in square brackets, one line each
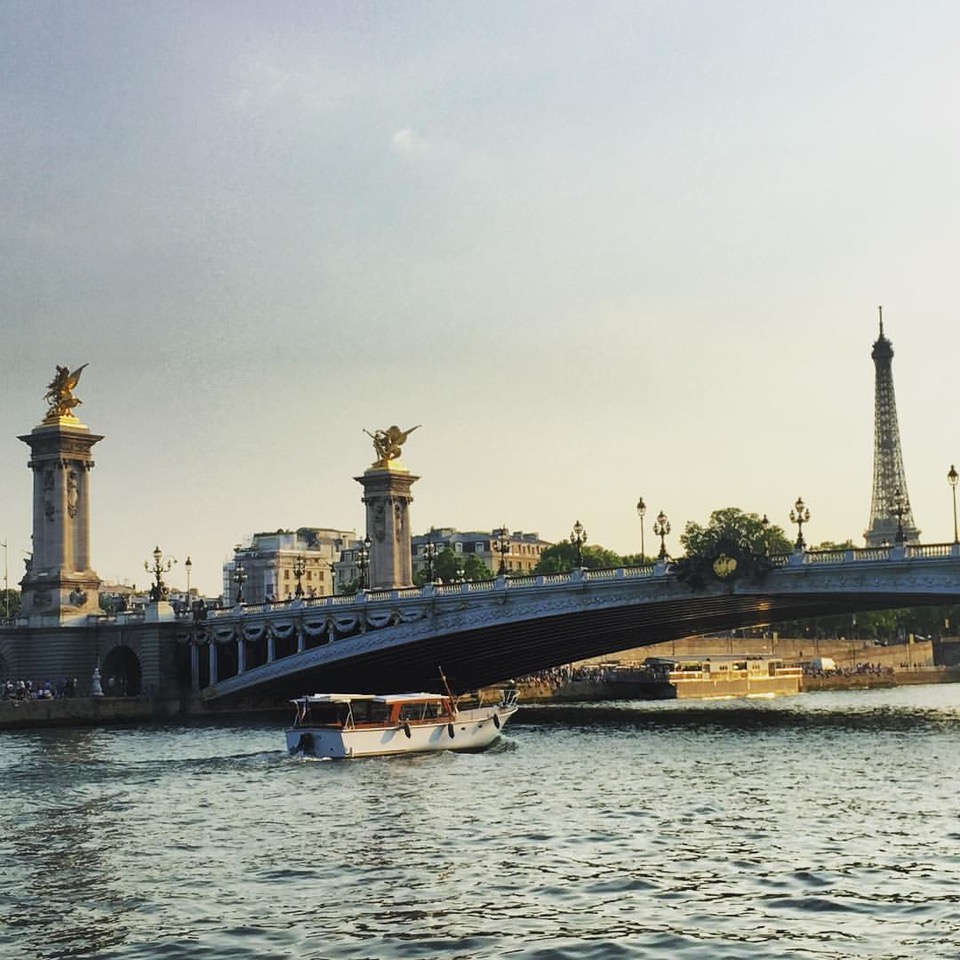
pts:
[369, 711]
[429, 710]
[325, 714]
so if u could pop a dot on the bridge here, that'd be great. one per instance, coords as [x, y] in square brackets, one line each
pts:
[483, 633]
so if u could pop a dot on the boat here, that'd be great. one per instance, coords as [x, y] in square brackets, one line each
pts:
[722, 677]
[347, 725]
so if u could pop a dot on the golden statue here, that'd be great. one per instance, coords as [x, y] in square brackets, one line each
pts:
[388, 442]
[60, 394]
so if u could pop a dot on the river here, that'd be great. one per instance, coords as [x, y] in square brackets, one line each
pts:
[818, 826]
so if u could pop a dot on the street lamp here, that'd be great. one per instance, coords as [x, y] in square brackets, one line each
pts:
[765, 527]
[661, 527]
[159, 590]
[333, 578]
[429, 555]
[188, 566]
[799, 515]
[898, 509]
[502, 546]
[6, 581]
[239, 574]
[952, 478]
[578, 537]
[641, 513]
[461, 574]
[299, 566]
[363, 559]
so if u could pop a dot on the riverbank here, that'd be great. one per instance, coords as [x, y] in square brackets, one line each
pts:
[84, 712]
[120, 711]
[598, 691]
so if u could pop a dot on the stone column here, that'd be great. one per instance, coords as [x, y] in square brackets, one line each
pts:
[386, 493]
[60, 585]
[212, 654]
[195, 667]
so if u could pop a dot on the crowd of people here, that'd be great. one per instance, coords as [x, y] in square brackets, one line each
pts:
[559, 676]
[36, 690]
[858, 670]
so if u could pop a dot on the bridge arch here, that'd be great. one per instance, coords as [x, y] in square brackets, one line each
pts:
[121, 675]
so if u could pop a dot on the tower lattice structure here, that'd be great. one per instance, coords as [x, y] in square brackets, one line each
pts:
[890, 510]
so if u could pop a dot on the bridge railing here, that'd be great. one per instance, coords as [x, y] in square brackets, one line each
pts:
[548, 580]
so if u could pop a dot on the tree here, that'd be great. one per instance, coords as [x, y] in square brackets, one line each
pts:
[562, 557]
[746, 530]
[733, 544]
[832, 545]
[9, 603]
[449, 567]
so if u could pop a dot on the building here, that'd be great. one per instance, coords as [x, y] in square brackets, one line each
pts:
[285, 564]
[517, 552]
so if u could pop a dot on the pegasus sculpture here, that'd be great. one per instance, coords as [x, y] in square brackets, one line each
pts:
[60, 393]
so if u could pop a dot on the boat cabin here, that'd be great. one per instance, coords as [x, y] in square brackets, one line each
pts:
[344, 711]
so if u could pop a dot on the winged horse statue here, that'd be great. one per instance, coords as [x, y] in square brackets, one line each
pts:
[60, 393]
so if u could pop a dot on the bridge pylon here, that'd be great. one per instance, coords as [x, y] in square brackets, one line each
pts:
[386, 494]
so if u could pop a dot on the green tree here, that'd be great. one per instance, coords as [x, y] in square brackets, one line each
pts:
[733, 544]
[732, 525]
[832, 545]
[449, 566]
[9, 603]
[562, 557]
[475, 569]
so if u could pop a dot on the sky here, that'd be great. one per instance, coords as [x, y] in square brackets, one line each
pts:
[598, 251]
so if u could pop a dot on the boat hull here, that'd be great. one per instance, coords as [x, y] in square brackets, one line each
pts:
[470, 731]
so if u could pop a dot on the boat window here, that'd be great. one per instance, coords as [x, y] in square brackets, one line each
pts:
[325, 714]
[369, 711]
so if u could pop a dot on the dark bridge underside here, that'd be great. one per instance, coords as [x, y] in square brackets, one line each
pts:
[480, 658]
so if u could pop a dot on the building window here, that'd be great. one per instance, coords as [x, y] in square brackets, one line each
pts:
[458, 547]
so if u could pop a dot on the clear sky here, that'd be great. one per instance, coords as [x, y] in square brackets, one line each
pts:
[598, 250]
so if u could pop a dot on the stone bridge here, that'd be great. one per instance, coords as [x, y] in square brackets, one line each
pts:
[482, 633]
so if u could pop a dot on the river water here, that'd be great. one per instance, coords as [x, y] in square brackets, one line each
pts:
[818, 826]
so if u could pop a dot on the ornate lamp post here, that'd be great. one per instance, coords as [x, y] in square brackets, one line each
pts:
[765, 527]
[898, 509]
[461, 574]
[239, 574]
[429, 555]
[333, 578]
[799, 515]
[502, 546]
[363, 558]
[188, 566]
[299, 566]
[641, 513]
[661, 527]
[952, 478]
[159, 567]
[578, 537]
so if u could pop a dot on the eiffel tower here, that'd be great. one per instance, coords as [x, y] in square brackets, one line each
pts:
[891, 517]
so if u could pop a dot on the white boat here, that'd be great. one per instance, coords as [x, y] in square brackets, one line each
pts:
[345, 725]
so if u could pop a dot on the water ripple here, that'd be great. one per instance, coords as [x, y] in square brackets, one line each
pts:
[821, 827]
